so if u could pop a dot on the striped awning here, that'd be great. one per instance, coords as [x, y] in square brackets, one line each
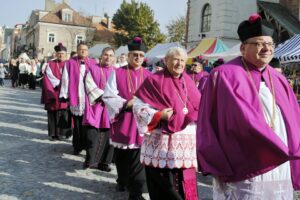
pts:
[289, 51]
[207, 46]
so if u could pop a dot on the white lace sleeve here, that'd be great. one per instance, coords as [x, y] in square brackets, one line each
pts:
[111, 98]
[53, 80]
[143, 114]
[92, 91]
[64, 90]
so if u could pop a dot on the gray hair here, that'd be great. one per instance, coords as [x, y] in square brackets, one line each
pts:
[107, 49]
[175, 51]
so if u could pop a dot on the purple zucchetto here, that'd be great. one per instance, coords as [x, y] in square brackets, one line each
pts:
[255, 26]
[198, 59]
[136, 44]
[60, 47]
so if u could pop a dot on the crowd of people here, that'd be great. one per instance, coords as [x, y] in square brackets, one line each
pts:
[238, 123]
[22, 72]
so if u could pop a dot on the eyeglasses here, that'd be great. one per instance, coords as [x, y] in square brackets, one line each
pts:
[138, 55]
[262, 44]
[194, 65]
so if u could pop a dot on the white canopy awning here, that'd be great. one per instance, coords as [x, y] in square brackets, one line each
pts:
[121, 49]
[159, 51]
[96, 50]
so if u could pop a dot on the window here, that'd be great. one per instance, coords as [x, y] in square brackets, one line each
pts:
[67, 17]
[206, 18]
[79, 39]
[51, 37]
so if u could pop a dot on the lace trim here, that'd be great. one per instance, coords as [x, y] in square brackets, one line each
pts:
[176, 150]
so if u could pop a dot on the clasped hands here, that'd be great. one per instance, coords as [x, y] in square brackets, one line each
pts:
[166, 113]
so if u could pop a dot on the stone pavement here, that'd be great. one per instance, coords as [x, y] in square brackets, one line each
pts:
[34, 168]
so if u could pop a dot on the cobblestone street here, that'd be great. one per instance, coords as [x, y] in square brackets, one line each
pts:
[33, 168]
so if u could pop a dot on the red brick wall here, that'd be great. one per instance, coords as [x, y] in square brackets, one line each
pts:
[292, 5]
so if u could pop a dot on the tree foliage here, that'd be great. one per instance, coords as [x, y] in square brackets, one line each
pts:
[136, 19]
[177, 30]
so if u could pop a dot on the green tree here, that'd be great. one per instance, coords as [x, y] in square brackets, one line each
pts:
[136, 19]
[176, 30]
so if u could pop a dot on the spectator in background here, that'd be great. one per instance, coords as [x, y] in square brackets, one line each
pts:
[122, 61]
[23, 75]
[2, 74]
[43, 66]
[38, 67]
[203, 80]
[32, 74]
[14, 72]
[38, 63]
[160, 65]
[197, 72]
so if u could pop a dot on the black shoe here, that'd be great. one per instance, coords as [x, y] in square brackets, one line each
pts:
[85, 165]
[120, 188]
[52, 138]
[57, 138]
[104, 167]
[76, 152]
[69, 134]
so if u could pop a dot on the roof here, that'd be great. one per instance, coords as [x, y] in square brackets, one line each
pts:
[282, 15]
[103, 33]
[55, 17]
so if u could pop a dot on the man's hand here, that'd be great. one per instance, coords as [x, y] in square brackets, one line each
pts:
[166, 113]
[130, 103]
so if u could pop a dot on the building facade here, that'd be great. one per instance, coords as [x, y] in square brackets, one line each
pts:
[220, 18]
[5, 52]
[216, 18]
[18, 40]
[58, 23]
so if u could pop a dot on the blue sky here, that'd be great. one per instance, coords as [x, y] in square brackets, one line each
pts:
[18, 11]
